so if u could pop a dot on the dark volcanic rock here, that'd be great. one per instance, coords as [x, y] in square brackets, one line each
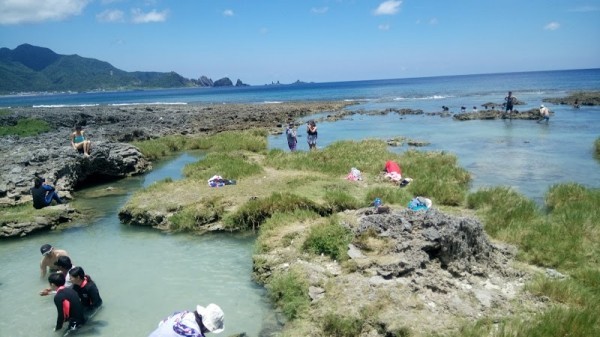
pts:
[224, 82]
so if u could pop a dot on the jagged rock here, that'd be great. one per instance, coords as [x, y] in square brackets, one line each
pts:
[204, 81]
[239, 83]
[63, 167]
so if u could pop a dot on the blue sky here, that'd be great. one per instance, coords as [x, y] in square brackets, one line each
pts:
[313, 40]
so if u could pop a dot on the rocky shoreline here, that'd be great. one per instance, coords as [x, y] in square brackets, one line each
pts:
[111, 128]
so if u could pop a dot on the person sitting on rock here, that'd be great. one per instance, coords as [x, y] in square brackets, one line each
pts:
[79, 143]
[43, 194]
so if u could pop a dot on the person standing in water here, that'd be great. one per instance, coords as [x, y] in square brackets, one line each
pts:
[292, 137]
[509, 102]
[311, 132]
[544, 114]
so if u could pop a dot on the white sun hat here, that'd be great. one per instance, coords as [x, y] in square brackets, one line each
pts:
[212, 317]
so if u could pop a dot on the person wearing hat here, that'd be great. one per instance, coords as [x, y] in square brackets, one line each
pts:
[544, 114]
[192, 324]
[49, 256]
[64, 266]
[292, 137]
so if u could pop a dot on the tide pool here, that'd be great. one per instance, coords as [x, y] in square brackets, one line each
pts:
[143, 275]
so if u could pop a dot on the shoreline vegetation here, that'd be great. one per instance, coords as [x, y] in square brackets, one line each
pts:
[306, 215]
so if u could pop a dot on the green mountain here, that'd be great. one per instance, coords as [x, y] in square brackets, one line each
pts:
[29, 68]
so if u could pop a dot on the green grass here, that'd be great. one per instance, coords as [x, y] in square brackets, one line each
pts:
[193, 217]
[4, 112]
[388, 195]
[253, 213]
[436, 175]
[342, 326]
[597, 148]
[229, 165]
[330, 239]
[289, 290]
[565, 236]
[25, 127]
[224, 142]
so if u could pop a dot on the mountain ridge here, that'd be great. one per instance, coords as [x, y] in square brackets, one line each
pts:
[29, 68]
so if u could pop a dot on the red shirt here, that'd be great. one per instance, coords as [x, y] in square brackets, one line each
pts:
[392, 166]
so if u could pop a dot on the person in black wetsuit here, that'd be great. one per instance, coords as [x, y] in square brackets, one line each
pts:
[43, 194]
[86, 289]
[68, 305]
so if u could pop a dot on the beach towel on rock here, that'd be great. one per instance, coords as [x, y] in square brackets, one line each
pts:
[419, 204]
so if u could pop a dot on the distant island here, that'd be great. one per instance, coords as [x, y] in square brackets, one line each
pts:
[30, 68]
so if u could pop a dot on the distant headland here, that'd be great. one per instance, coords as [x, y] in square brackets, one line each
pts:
[33, 69]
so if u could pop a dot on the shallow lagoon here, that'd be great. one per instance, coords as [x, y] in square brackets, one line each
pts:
[143, 275]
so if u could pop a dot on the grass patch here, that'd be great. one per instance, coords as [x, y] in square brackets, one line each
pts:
[193, 217]
[436, 175]
[289, 290]
[388, 195]
[272, 234]
[330, 239]
[230, 165]
[252, 141]
[597, 148]
[25, 127]
[566, 237]
[4, 112]
[341, 326]
[253, 213]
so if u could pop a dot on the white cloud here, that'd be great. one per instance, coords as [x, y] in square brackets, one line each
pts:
[384, 27]
[29, 11]
[433, 21]
[389, 7]
[228, 12]
[111, 15]
[263, 31]
[319, 10]
[138, 16]
[552, 26]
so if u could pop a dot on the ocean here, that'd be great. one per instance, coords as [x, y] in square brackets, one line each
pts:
[522, 154]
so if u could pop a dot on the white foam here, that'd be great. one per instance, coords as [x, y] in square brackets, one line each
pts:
[150, 103]
[63, 105]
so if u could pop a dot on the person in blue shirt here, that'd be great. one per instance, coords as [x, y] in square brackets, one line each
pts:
[43, 194]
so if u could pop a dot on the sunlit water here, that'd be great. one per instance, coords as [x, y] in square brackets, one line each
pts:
[143, 275]
[522, 154]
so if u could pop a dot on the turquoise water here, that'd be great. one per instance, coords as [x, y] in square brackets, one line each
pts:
[143, 275]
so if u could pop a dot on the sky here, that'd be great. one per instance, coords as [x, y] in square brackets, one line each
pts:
[265, 41]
